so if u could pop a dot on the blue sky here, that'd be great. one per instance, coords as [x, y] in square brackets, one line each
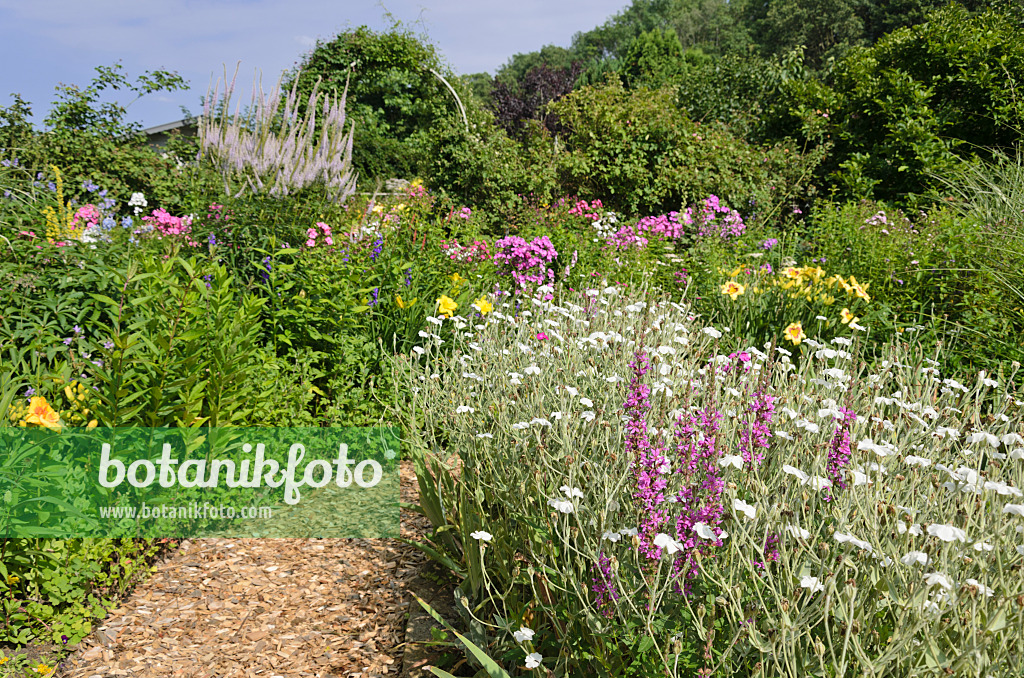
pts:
[46, 42]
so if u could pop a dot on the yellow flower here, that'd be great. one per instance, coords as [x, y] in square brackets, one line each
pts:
[812, 272]
[483, 305]
[92, 424]
[795, 333]
[457, 279]
[859, 289]
[43, 669]
[847, 317]
[736, 271]
[3, 660]
[40, 412]
[13, 579]
[827, 299]
[791, 272]
[415, 182]
[446, 305]
[398, 300]
[733, 289]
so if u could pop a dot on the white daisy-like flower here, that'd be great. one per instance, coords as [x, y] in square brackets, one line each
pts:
[731, 459]
[811, 583]
[949, 532]
[666, 542]
[571, 491]
[916, 558]
[933, 578]
[523, 634]
[562, 505]
[480, 535]
[798, 531]
[533, 660]
[749, 510]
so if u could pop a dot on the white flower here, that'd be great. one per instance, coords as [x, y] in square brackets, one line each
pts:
[811, 583]
[811, 427]
[614, 379]
[611, 536]
[480, 535]
[986, 591]
[705, 532]
[933, 578]
[860, 478]
[920, 461]
[795, 472]
[1016, 509]
[712, 332]
[733, 459]
[419, 350]
[520, 425]
[748, 510]
[784, 435]
[484, 435]
[571, 491]
[540, 421]
[557, 416]
[916, 557]
[819, 483]
[562, 505]
[949, 532]
[666, 542]
[982, 546]
[798, 531]
[984, 436]
[588, 415]
[533, 660]
[532, 369]
[523, 634]
[586, 402]
[571, 391]
[844, 538]
[629, 531]
[464, 408]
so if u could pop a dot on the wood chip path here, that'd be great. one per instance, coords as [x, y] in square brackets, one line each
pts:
[264, 608]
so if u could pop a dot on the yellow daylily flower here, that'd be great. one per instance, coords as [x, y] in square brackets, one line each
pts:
[483, 305]
[795, 333]
[398, 300]
[847, 317]
[446, 305]
[791, 272]
[457, 279]
[40, 412]
[733, 289]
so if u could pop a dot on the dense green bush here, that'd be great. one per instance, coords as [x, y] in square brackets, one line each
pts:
[638, 153]
[905, 108]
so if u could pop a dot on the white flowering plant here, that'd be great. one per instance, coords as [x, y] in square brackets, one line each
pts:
[657, 507]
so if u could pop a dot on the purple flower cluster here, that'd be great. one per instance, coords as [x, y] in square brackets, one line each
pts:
[650, 465]
[839, 450]
[769, 243]
[700, 499]
[527, 262]
[605, 592]
[755, 434]
[717, 219]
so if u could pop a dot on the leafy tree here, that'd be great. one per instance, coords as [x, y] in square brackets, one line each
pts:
[395, 94]
[907, 107]
[654, 58]
[823, 27]
[514, 108]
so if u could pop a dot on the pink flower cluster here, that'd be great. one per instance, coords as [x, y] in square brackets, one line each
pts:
[469, 254]
[312, 234]
[90, 214]
[527, 262]
[169, 225]
[716, 219]
[582, 209]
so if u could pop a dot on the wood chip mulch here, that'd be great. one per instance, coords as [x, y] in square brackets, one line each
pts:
[264, 608]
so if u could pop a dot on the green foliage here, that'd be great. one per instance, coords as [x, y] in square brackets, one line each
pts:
[394, 98]
[90, 140]
[654, 59]
[53, 590]
[903, 110]
[636, 152]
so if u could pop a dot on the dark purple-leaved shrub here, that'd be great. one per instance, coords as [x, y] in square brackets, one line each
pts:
[517, 104]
